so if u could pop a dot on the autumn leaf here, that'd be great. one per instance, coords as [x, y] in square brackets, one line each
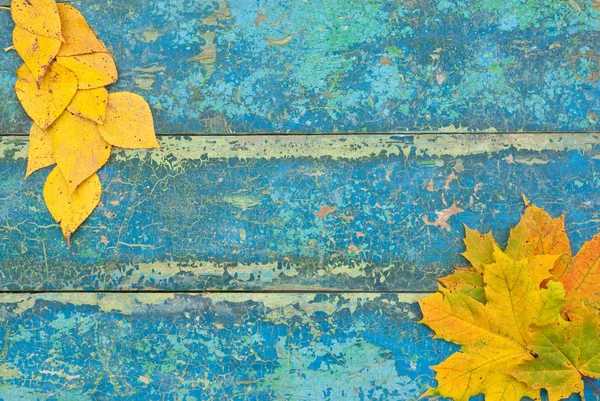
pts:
[36, 51]
[56, 194]
[495, 335]
[40, 150]
[467, 281]
[463, 375]
[582, 278]
[44, 104]
[71, 209]
[39, 17]
[128, 122]
[90, 103]
[78, 36]
[539, 234]
[567, 351]
[480, 248]
[508, 311]
[92, 70]
[61, 86]
[78, 148]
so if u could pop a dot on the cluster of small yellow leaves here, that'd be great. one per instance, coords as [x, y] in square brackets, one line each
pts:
[526, 318]
[62, 87]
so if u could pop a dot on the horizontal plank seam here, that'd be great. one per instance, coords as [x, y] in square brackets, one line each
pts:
[301, 291]
[357, 134]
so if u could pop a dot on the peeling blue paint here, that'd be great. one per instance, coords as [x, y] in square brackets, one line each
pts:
[198, 348]
[348, 66]
[198, 210]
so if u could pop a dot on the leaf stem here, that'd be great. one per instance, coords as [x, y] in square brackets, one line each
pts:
[5, 7]
[591, 383]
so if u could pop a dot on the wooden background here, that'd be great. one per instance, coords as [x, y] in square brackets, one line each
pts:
[319, 160]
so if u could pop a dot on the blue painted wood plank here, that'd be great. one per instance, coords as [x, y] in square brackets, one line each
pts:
[234, 66]
[216, 347]
[376, 212]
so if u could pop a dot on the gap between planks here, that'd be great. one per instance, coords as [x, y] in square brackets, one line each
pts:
[344, 134]
[283, 291]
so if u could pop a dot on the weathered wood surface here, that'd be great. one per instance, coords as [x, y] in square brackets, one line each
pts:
[371, 214]
[359, 212]
[216, 347]
[234, 66]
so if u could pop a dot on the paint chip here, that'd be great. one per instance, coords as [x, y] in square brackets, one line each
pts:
[325, 210]
[442, 217]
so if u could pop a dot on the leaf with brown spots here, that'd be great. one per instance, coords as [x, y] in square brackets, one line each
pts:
[46, 102]
[92, 70]
[90, 103]
[79, 37]
[128, 122]
[78, 148]
[39, 17]
[61, 86]
[36, 51]
[40, 150]
[71, 209]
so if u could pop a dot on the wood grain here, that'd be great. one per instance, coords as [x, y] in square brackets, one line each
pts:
[280, 66]
[215, 347]
[380, 213]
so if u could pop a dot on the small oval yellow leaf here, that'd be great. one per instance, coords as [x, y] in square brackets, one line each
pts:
[71, 209]
[36, 51]
[40, 150]
[78, 147]
[79, 37]
[46, 102]
[37, 16]
[90, 103]
[92, 70]
[128, 122]
[83, 202]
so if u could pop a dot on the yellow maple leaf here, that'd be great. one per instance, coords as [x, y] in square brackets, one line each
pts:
[78, 148]
[128, 122]
[40, 153]
[465, 280]
[45, 102]
[71, 209]
[78, 36]
[39, 17]
[582, 277]
[36, 51]
[495, 335]
[480, 248]
[539, 234]
[507, 315]
[93, 70]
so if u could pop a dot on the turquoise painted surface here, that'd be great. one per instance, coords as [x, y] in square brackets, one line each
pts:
[234, 66]
[391, 221]
[216, 347]
[256, 214]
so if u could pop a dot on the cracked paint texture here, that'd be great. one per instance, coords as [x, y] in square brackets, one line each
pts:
[235, 66]
[385, 214]
[216, 346]
[377, 212]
